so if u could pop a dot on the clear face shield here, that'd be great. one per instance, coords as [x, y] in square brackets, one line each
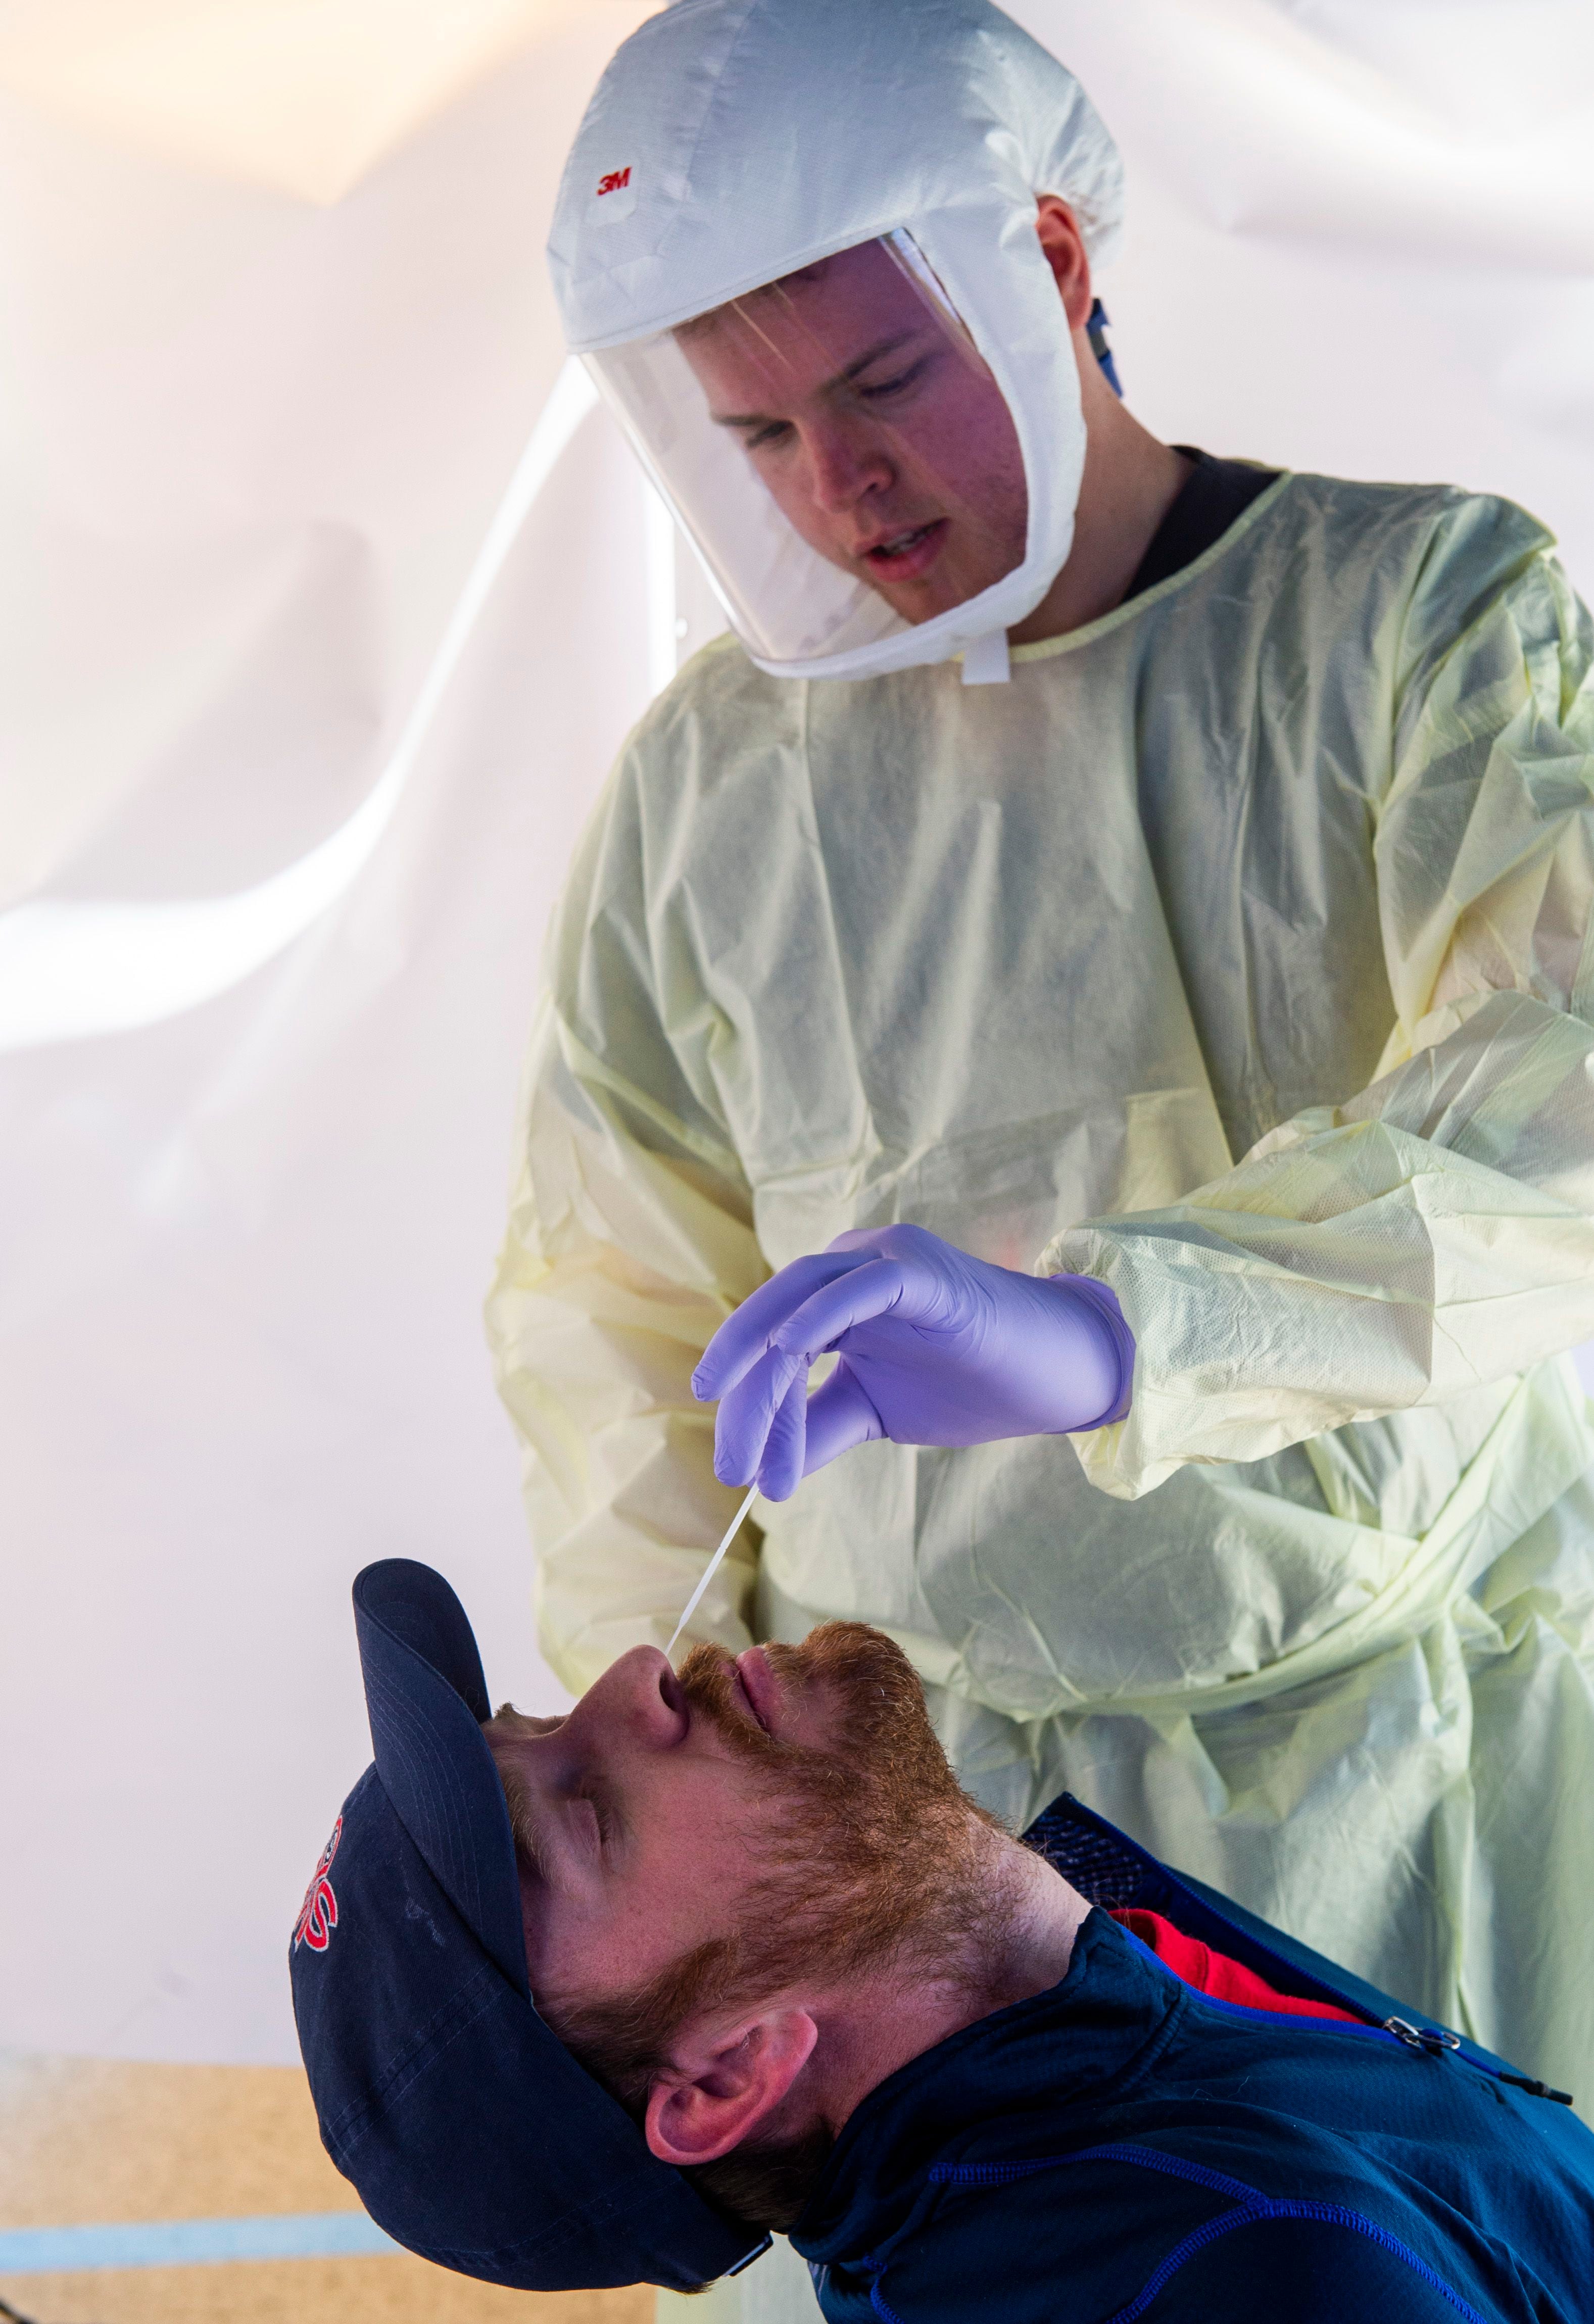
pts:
[836, 446]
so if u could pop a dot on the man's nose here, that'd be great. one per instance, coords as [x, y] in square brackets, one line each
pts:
[844, 463]
[638, 1698]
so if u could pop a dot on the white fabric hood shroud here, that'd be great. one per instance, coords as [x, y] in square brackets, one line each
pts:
[735, 141]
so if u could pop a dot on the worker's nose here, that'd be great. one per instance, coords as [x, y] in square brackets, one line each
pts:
[844, 463]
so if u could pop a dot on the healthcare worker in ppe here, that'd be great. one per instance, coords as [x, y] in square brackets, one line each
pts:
[1141, 903]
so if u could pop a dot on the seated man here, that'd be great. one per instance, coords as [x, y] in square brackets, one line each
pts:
[598, 1999]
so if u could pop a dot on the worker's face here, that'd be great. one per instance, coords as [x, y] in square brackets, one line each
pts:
[876, 427]
[654, 1817]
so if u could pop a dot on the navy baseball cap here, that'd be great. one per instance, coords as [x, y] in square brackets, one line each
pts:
[470, 2133]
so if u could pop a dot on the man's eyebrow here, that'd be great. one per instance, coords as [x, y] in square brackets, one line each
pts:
[525, 1822]
[859, 364]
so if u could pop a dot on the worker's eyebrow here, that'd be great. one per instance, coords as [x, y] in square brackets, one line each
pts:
[854, 370]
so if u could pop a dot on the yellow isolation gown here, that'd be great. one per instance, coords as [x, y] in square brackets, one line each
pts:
[1235, 952]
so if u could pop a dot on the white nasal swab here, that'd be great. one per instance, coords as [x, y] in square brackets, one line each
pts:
[712, 1567]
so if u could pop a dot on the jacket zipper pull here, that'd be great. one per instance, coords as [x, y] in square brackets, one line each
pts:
[1432, 2038]
[1537, 2090]
[1435, 2041]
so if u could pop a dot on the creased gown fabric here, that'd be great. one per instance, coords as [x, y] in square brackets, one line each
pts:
[1237, 953]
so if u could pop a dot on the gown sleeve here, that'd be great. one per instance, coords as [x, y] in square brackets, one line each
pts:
[1436, 1230]
[629, 1240]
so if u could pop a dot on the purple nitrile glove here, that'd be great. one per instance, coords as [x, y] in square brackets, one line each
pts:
[935, 1348]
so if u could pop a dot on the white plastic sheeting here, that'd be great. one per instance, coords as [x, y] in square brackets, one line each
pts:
[288, 789]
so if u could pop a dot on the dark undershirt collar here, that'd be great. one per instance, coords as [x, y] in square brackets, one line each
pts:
[1213, 495]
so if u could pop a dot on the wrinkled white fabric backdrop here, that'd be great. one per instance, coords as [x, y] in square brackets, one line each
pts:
[276, 337]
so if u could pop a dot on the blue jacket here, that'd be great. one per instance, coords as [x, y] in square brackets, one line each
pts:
[1124, 2147]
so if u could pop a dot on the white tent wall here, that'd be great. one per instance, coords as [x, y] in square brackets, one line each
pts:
[242, 1354]
[277, 334]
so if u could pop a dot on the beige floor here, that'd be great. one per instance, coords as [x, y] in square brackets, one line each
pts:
[83, 2140]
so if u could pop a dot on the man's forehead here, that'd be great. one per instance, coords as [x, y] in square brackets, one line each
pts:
[823, 312]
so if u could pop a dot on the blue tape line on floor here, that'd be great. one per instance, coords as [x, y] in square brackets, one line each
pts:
[190, 2243]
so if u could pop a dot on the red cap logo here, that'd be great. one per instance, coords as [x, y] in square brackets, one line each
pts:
[612, 183]
[318, 1915]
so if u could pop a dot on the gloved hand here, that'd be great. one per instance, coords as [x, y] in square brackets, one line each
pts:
[935, 1348]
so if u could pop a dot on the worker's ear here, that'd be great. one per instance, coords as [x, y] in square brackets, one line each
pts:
[1064, 248]
[719, 2087]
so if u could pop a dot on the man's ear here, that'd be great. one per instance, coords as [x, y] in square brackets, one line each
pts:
[1064, 247]
[719, 2087]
